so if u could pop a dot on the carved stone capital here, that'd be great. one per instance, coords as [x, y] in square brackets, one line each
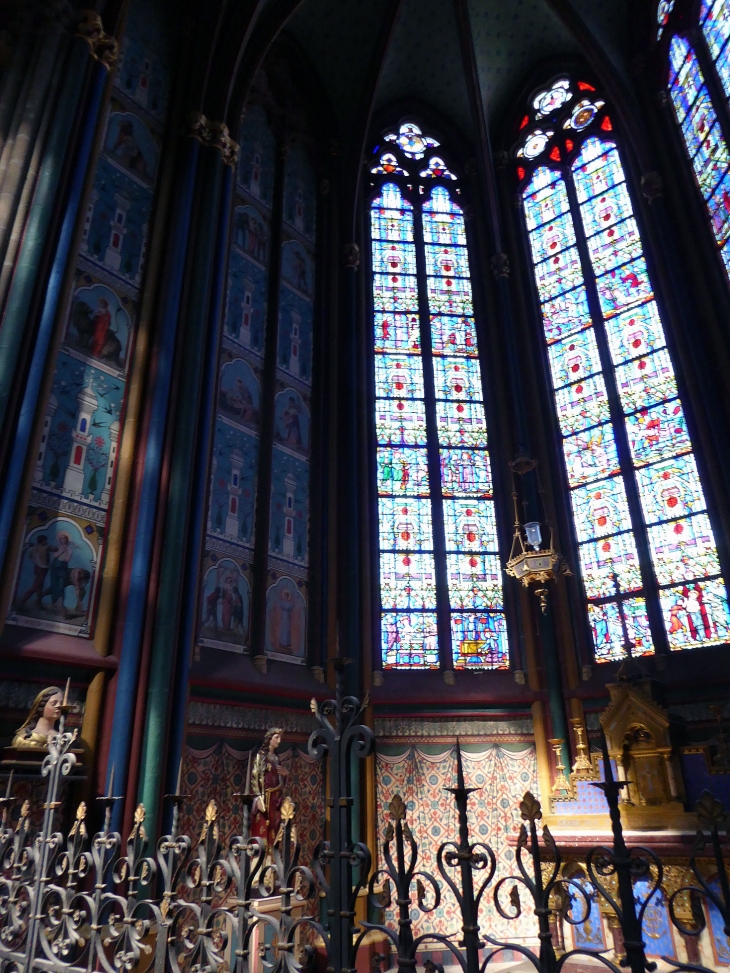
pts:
[351, 255]
[104, 48]
[500, 265]
[215, 134]
[651, 186]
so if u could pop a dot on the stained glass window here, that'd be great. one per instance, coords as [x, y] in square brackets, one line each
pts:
[632, 476]
[694, 60]
[440, 573]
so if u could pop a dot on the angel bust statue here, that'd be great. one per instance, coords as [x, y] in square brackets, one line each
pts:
[266, 784]
[39, 728]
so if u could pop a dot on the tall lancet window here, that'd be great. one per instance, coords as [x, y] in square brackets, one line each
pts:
[647, 554]
[697, 39]
[440, 576]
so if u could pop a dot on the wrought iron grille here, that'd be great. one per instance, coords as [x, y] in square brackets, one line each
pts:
[75, 904]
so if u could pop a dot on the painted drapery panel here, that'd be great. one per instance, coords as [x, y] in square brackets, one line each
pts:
[639, 511]
[502, 774]
[439, 573]
[58, 571]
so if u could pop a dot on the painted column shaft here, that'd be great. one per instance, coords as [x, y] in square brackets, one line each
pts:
[25, 282]
[178, 507]
[198, 500]
[152, 454]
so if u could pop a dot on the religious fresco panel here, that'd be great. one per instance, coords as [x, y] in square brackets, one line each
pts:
[300, 192]
[250, 234]
[239, 390]
[58, 566]
[286, 618]
[289, 523]
[295, 334]
[225, 607]
[291, 419]
[246, 302]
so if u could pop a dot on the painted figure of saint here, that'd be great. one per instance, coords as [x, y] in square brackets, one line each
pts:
[102, 325]
[40, 725]
[266, 784]
[290, 422]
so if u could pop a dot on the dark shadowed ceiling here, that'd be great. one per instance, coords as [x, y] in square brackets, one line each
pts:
[423, 60]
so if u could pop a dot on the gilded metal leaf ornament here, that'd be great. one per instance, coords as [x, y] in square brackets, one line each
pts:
[548, 839]
[389, 832]
[139, 816]
[710, 813]
[79, 827]
[530, 807]
[287, 810]
[397, 808]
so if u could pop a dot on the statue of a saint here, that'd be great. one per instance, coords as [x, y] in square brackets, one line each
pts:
[266, 784]
[40, 726]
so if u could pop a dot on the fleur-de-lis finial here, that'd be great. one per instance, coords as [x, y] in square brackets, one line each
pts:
[397, 808]
[211, 812]
[530, 807]
[287, 810]
[710, 812]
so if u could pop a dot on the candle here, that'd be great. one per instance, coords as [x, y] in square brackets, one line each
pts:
[65, 692]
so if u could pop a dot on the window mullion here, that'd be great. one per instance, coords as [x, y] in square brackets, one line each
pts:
[432, 447]
[618, 424]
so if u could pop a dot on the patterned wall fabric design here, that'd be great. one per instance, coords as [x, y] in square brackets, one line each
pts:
[58, 566]
[287, 582]
[226, 575]
[219, 772]
[503, 774]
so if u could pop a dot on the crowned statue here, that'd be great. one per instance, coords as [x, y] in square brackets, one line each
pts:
[267, 777]
[39, 728]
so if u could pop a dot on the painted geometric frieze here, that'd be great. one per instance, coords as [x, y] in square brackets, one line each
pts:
[391, 729]
[251, 719]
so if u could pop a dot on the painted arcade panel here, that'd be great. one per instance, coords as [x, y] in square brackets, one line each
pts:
[239, 390]
[256, 156]
[130, 145]
[78, 448]
[295, 334]
[286, 618]
[289, 522]
[225, 607]
[56, 572]
[250, 234]
[291, 419]
[145, 61]
[100, 323]
[246, 302]
[300, 192]
[233, 484]
[297, 268]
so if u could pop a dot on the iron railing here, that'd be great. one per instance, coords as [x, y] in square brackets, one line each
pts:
[76, 904]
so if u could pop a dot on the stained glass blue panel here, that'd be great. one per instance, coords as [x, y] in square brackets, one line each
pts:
[479, 640]
[600, 509]
[405, 524]
[615, 623]
[395, 293]
[546, 198]
[605, 211]
[470, 525]
[410, 640]
[711, 159]
[443, 221]
[552, 238]
[475, 581]
[621, 288]
[685, 78]
[591, 455]
[574, 358]
[397, 332]
[465, 473]
[393, 258]
[696, 614]
[610, 565]
[719, 207]
[671, 488]
[557, 274]
[615, 246]
[566, 314]
[449, 295]
[683, 550]
[646, 381]
[399, 376]
[716, 28]
[457, 378]
[582, 405]
[453, 336]
[400, 423]
[636, 332]
[402, 471]
[446, 261]
[407, 581]
[596, 169]
[461, 424]
[658, 432]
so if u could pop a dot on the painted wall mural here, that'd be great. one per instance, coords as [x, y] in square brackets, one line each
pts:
[224, 620]
[57, 571]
